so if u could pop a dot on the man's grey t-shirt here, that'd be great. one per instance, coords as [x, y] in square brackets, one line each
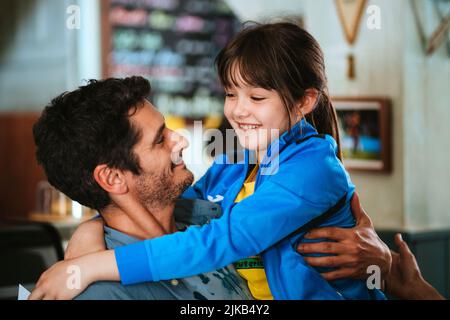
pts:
[222, 284]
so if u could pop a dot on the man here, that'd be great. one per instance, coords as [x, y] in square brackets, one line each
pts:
[105, 145]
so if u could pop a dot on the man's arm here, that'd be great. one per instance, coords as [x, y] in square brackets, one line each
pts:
[359, 247]
[355, 248]
[405, 280]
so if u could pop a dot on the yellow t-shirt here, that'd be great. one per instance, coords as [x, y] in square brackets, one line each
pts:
[252, 268]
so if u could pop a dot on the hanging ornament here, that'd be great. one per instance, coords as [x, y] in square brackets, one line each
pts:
[441, 33]
[438, 7]
[350, 13]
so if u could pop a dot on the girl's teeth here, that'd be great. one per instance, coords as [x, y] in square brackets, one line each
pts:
[247, 127]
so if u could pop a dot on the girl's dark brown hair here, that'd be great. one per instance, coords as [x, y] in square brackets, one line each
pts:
[285, 58]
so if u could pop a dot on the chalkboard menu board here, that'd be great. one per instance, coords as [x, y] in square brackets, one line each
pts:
[173, 43]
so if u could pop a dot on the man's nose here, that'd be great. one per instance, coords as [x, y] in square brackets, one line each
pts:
[179, 142]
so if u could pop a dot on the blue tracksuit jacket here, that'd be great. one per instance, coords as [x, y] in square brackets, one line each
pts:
[299, 179]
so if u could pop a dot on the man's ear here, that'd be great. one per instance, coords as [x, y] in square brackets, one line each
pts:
[308, 102]
[111, 180]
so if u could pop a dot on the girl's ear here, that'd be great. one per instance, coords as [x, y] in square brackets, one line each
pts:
[308, 102]
[111, 180]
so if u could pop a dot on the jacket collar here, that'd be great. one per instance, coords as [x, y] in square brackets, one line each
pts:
[300, 130]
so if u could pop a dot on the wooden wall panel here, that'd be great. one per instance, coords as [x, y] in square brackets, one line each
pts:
[19, 171]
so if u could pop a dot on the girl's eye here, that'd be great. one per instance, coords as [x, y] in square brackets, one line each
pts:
[229, 95]
[258, 98]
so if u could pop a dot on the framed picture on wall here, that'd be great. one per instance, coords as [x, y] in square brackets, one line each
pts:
[365, 132]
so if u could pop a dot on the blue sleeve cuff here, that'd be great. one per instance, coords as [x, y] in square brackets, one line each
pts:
[133, 264]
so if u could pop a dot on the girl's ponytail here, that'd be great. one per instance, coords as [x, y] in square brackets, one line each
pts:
[324, 119]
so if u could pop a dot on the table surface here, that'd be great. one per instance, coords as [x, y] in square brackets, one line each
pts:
[57, 220]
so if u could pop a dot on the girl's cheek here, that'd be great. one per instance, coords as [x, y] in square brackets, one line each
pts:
[227, 110]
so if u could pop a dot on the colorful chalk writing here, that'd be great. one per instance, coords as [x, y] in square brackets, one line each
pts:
[173, 43]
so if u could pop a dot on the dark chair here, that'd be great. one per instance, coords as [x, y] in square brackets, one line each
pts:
[26, 250]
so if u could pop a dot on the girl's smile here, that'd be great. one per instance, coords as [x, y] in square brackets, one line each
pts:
[248, 126]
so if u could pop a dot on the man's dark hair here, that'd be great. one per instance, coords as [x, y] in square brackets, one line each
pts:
[81, 129]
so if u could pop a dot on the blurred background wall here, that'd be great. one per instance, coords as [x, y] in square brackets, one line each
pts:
[39, 59]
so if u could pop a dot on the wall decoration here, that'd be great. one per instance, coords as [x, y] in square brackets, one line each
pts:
[440, 12]
[350, 13]
[431, 41]
[364, 125]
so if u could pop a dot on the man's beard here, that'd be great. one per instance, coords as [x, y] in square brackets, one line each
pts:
[158, 190]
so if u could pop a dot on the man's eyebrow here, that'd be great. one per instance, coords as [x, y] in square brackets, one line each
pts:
[159, 133]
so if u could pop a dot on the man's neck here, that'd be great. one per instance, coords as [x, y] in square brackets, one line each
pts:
[140, 228]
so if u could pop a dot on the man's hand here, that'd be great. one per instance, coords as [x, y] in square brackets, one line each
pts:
[405, 280]
[356, 248]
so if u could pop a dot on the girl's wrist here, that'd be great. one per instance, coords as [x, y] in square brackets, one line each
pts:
[101, 266]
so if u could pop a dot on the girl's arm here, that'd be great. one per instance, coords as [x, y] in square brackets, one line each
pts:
[252, 226]
[89, 237]
[283, 203]
[67, 279]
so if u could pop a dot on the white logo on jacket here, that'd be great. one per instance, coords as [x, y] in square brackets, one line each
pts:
[218, 198]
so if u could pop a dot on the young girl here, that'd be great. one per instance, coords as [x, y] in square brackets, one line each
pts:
[274, 78]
